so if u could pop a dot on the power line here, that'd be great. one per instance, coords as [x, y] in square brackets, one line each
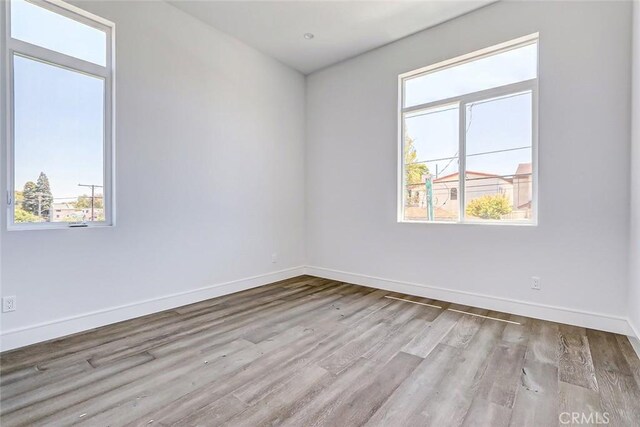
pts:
[97, 196]
[470, 121]
[465, 132]
[470, 155]
[510, 176]
[468, 189]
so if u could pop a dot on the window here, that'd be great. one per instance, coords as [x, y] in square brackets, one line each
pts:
[468, 138]
[60, 121]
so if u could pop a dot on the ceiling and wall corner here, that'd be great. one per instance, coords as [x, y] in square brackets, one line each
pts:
[341, 29]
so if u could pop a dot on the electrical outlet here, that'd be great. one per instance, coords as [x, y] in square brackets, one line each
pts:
[535, 283]
[8, 304]
[274, 258]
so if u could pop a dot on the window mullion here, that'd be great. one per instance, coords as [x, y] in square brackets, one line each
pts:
[495, 92]
[462, 160]
[42, 54]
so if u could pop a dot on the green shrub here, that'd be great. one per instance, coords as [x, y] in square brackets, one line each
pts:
[20, 215]
[490, 206]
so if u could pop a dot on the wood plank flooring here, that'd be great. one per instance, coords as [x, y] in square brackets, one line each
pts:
[314, 352]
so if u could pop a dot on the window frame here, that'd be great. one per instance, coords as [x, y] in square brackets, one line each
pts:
[462, 101]
[13, 47]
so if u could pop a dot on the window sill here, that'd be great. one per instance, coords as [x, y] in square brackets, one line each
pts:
[491, 223]
[55, 226]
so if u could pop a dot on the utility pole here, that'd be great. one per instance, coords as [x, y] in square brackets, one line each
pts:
[40, 195]
[93, 194]
[428, 181]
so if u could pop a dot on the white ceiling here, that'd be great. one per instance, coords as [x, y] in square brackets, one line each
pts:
[342, 29]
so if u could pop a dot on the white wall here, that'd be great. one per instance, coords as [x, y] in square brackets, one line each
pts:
[210, 182]
[579, 249]
[634, 289]
[206, 124]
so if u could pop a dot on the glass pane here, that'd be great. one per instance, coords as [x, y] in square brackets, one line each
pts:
[499, 180]
[36, 25]
[59, 140]
[512, 66]
[431, 164]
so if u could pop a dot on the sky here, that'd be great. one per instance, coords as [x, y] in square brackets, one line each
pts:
[508, 67]
[499, 124]
[59, 113]
[42, 27]
[493, 124]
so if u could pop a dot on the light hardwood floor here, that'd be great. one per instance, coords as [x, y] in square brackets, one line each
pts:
[309, 351]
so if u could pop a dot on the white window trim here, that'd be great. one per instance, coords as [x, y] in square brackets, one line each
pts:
[12, 46]
[461, 102]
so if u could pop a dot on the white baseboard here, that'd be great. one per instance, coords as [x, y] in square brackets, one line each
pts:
[635, 343]
[603, 322]
[31, 334]
[635, 339]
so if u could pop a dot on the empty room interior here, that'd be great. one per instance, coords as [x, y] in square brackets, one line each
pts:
[320, 213]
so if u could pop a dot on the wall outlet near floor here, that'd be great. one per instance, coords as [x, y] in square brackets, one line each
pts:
[8, 304]
[274, 258]
[535, 283]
